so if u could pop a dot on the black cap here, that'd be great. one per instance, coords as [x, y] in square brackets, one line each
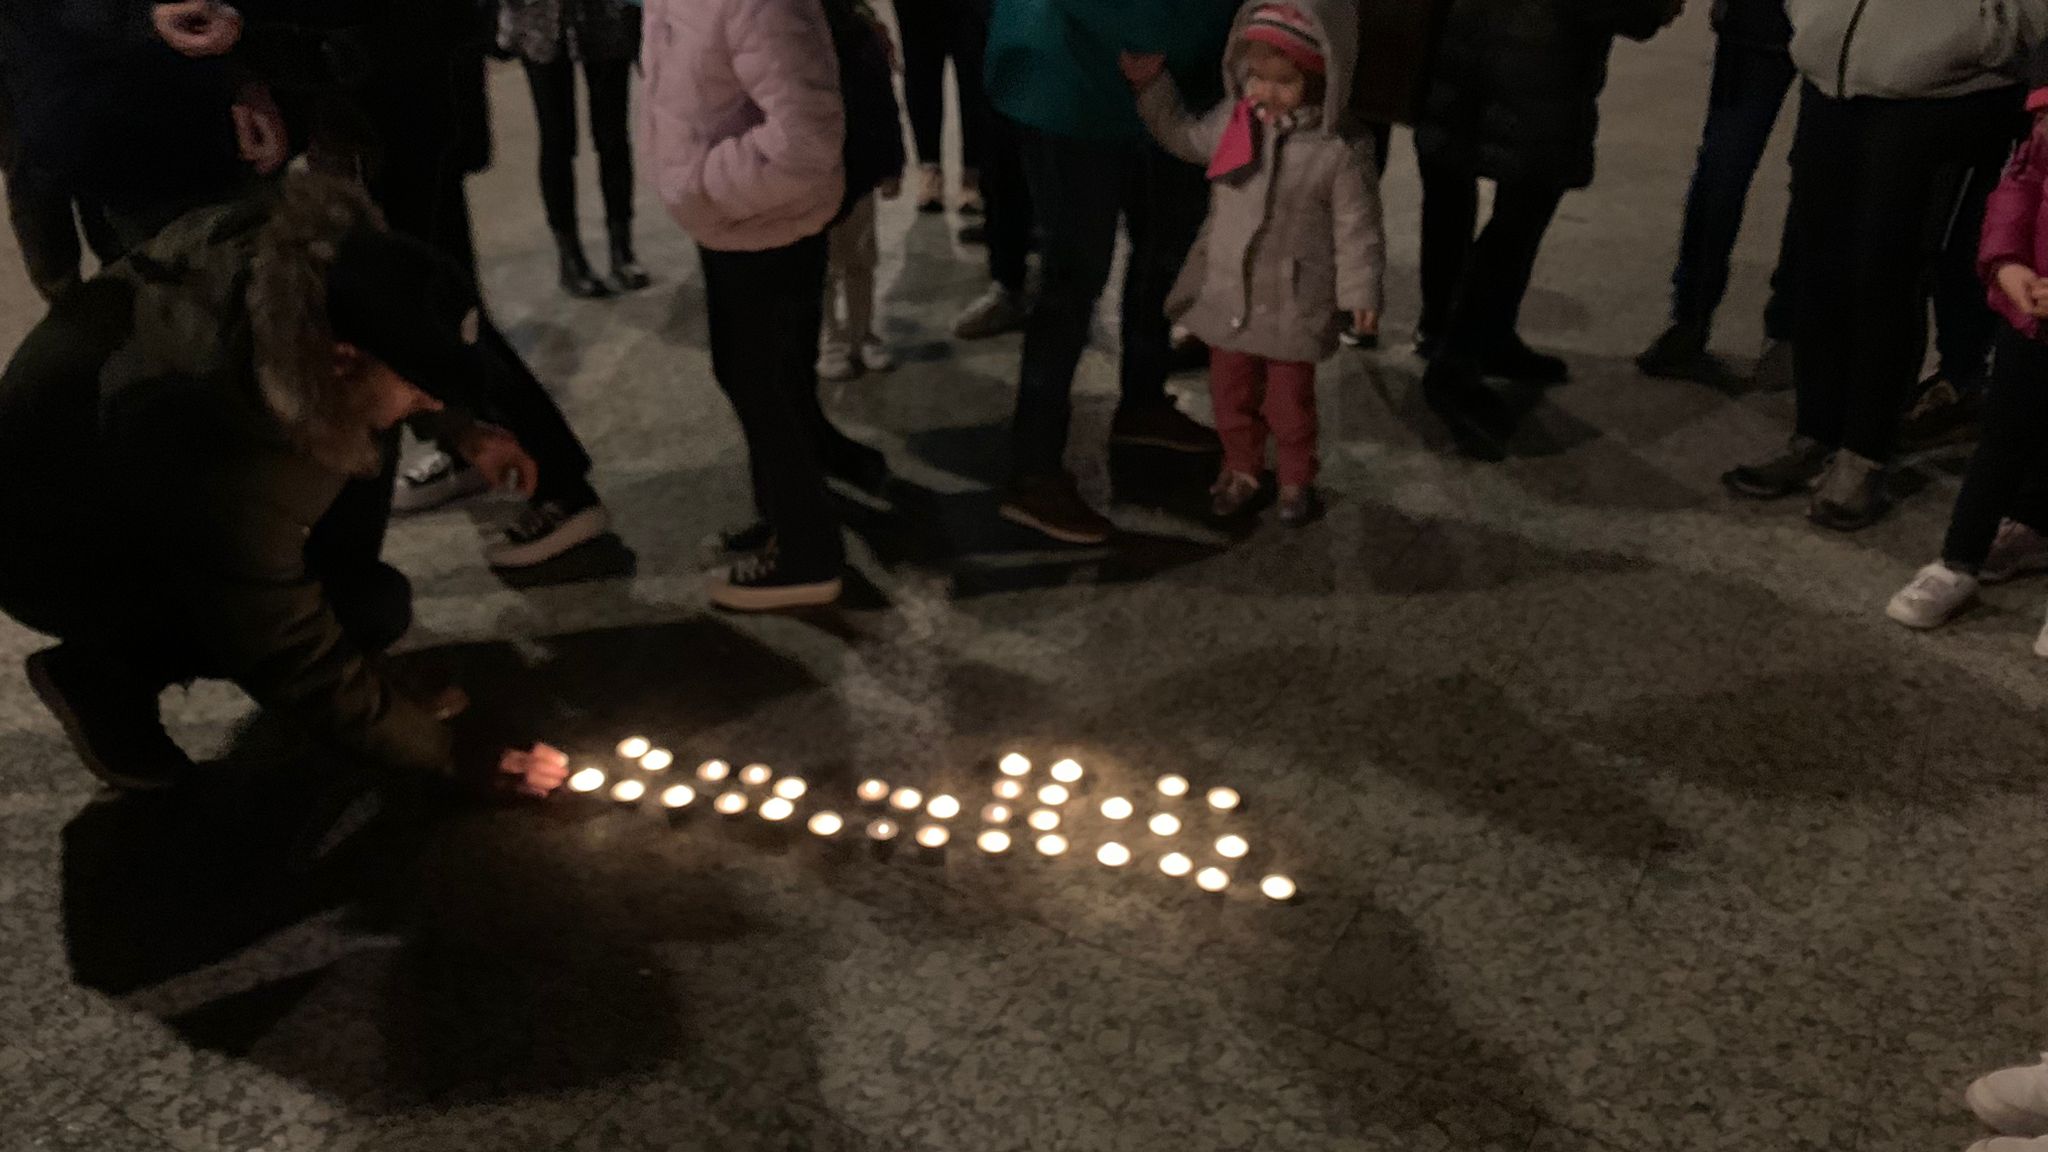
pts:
[411, 307]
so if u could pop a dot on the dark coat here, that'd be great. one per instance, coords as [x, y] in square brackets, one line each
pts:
[1515, 93]
[169, 435]
[1753, 23]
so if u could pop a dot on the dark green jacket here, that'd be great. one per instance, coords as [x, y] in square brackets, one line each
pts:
[1052, 64]
[170, 434]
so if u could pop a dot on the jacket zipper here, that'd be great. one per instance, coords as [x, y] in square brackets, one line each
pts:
[1251, 250]
[1848, 38]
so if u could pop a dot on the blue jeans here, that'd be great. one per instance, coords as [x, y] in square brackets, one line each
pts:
[1749, 88]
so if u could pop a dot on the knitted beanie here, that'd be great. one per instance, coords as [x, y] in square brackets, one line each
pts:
[1289, 30]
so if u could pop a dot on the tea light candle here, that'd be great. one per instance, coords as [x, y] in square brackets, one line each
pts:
[996, 814]
[1278, 888]
[1053, 795]
[1052, 845]
[1175, 864]
[1224, 799]
[731, 803]
[1113, 855]
[776, 809]
[1212, 879]
[882, 830]
[712, 771]
[1067, 772]
[634, 747]
[1117, 808]
[994, 841]
[628, 791]
[1009, 790]
[1232, 847]
[791, 788]
[1044, 820]
[658, 760]
[588, 780]
[942, 808]
[755, 775]
[907, 800]
[826, 824]
[873, 791]
[1165, 824]
[1015, 765]
[680, 796]
[1170, 785]
[933, 836]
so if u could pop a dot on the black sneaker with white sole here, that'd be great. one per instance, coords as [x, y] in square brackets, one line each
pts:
[760, 583]
[547, 529]
[1052, 506]
[110, 713]
[434, 480]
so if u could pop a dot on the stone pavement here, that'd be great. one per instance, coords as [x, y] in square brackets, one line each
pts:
[1623, 819]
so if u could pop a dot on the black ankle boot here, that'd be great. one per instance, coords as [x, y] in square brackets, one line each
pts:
[627, 274]
[577, 278]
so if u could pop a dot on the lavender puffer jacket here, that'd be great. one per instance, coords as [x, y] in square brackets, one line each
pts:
[742, 127]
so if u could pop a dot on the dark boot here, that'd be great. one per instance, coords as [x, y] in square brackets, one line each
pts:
[109, 710]
[577, 278]
[627, 274]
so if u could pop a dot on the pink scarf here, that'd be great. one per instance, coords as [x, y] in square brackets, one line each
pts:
[1238, 151]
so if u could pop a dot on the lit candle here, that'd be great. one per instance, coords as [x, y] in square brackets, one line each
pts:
[1165, 824]
[1277, 888]
[1009, 790]
[776, 809]
[1067, 772]
[791, 788]
[1224, 799]
[1117, 808]
[933, 836]
[996, 814]
[658, 760]
[755, 775]
[942, 808]
[1232, 847]
[1175, 864]
[1212, 879]
[993, 841]
[1015, 765]
[1052, 845]
[731, 803]
[883, 830]
[588, 780]
[826, 824]
[1054, 795]
[680, 796]
[907, 800]
[873, 791]
[1113, 855]
[634, 747]
[1044, 820]
[712, 771]
[1173, 785]
[628, 791]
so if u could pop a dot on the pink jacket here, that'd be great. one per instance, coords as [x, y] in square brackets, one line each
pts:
[742, 127]
[2016, 225]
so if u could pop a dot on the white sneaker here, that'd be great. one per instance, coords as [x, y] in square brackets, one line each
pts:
[433, 480]
[875, 355]
[837, 365]
[545, 531]
[2013, 1101]
[2018, 551]
[2009, 1144]
[1935, 595]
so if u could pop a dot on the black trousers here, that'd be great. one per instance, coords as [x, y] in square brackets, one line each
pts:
[934, 30]
[1472, 289]
[554, 107]
[1007, 194]
[765, 311]
[1746, 96]
[1875, 184]
[2011, 463]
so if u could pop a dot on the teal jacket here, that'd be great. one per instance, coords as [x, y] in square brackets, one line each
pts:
[1052, 64]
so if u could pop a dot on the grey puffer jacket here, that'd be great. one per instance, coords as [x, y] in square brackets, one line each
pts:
[1915, 49]
[1284, 250]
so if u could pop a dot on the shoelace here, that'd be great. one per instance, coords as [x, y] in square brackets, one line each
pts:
[537, 521]
[753, 569]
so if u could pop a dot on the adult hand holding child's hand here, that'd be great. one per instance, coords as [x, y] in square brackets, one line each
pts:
[2026, 290]
[1141, 69]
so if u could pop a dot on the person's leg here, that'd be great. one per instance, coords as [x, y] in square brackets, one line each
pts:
[1008, 194]
[1291, 413]
[41, 214]
[2010, 455]
[1781, 309]
[1237, 387]
[1077, 196]
[923, 24]
[967, 41]
[863, 256]
[837, 336]
[1483, 321]
[517, 397]
[1823, 188]
[1964, 324]
[1164, 202]
[554, 108]
[609, 83]
[1450, 215]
